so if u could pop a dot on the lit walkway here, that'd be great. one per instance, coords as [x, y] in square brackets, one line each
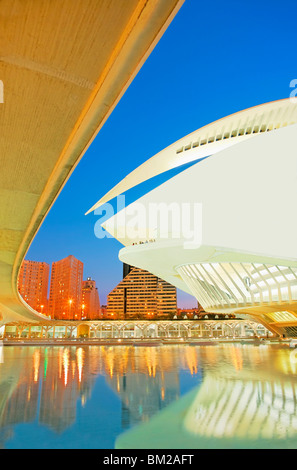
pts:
[103, 330]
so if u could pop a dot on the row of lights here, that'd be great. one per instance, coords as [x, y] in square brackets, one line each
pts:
[70, 301]
[149, 313]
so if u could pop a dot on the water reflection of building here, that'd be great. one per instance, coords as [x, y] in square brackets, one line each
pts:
[242, 386]
[244, 409]
[48, 388]
[237, 405]
[10, 378]
[59, 393]
[45, 384]
[26, 393]
[144, 395]
[145, 378]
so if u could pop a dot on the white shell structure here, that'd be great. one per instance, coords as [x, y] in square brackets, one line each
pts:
[224, 229]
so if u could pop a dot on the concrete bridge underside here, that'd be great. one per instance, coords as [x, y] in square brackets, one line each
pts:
[64, 66]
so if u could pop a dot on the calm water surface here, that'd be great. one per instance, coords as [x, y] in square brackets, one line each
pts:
[228, 395]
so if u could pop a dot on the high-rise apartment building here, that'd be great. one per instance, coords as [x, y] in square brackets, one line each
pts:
[90, 300]
[65, 299]
[142, 295]
[126, 269]
[33, 284]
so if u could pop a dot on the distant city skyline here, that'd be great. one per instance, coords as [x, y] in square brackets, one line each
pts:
[60, 290]
[202, 69]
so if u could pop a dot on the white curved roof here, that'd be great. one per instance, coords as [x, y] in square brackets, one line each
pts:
[247, 194]
[209, 140]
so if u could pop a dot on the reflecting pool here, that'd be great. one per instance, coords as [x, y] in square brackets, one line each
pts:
[170, 396]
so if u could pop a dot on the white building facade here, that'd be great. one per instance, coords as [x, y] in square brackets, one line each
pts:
[231, 224]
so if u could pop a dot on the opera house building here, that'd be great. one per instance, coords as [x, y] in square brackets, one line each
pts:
[226, 230]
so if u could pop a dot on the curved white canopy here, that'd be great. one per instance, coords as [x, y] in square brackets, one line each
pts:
[247, 193]
[209, 140]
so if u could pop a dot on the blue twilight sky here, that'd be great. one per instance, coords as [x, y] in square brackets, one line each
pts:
[216, 58]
